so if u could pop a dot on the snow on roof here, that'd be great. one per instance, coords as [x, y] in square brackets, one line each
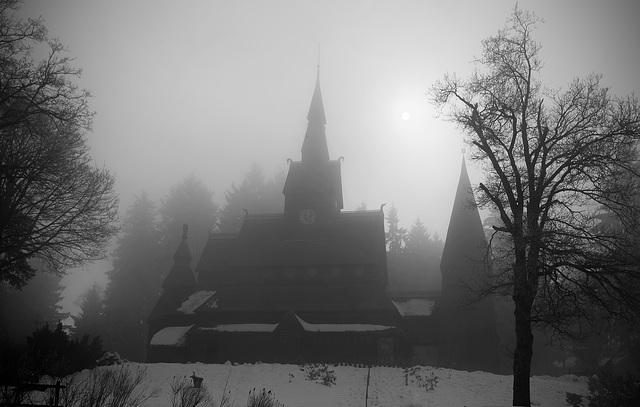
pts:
[171, 336]
[415, 307]
[195, 300]
[241, 328]
[342, 327]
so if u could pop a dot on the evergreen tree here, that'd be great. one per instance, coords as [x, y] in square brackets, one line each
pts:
[362, 206]
[135, 281]
[190, 202]
[396, 236]
[418, 239]
[90, 320]
[24, 310]
[417, 265]
[54, 353]
[255, 195]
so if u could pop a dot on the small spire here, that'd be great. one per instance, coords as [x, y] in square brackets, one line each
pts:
[318, 66]
[316, 116]
[185, 227]
[314, 146]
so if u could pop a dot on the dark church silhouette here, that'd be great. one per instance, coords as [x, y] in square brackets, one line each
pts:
[309, 284]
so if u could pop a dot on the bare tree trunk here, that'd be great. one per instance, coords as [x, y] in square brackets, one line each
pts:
[523, 352]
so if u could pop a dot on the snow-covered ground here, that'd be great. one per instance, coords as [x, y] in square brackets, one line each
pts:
[386, 386]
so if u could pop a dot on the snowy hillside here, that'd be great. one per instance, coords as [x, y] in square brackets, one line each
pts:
[386, 386]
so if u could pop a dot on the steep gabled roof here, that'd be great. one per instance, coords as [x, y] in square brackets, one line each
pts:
[181, 274]
[351, 238]
[215, 258]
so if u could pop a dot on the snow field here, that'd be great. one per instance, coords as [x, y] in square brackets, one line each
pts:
[386, 386]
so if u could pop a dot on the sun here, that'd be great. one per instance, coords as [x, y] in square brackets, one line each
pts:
[405, 116]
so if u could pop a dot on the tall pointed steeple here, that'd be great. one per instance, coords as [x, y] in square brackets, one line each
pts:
[314, 147]
[468, 337]
[313, 188]
[465, 237]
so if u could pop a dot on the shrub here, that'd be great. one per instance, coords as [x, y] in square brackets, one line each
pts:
[429, 380]
[14, 368]
[53, 353]
[574, 400]
[607, 390]
[183, 394]
[263, 398]
[106, 387]
[320, 373]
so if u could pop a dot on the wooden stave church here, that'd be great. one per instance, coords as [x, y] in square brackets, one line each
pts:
[309, 284]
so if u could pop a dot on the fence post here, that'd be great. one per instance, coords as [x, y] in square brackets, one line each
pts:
[366, 394]
[56, 400]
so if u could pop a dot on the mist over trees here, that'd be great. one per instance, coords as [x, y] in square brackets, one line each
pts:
[144, 252]
[413, 256]
[189, 202]
[55, 204]
[255, 194]
[555, 162]
[134, 282]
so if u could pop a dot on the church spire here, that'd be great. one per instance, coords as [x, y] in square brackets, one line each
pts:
[465, 236]
[314, 147]
[469, 343]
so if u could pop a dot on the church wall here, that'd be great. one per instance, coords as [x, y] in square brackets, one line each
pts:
[167, 354]
[235, 347]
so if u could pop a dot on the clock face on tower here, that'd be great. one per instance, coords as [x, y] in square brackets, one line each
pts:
[307, 216]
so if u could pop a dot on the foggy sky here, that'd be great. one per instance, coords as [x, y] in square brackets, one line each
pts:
[207, 87]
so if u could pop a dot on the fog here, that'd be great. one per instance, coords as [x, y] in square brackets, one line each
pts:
[207, 87]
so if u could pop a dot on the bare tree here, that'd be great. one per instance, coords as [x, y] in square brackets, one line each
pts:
[555, 162]
[54, 203]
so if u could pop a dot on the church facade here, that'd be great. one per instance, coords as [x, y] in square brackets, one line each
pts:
[306, 285]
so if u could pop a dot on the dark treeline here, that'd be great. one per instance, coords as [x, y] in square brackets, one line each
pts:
[144, 251]
[413, 255]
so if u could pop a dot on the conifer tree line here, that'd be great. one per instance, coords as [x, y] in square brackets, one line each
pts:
[415, 240]
[413, 254]
[151, 233]
[143, 255]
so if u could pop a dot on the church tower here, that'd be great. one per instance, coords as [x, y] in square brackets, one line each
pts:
[313, 188]
[468, 338]
[304, 285]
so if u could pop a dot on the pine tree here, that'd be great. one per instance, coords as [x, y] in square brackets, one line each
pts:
[135, 281]
[255, 195]
[418, 238]
[24, 310]
[362, 206]
[396, 236]
[90, 320]
[189, 202]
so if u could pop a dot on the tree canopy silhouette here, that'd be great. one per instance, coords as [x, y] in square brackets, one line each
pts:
[555, 162]
[135, 281]
[55, 204]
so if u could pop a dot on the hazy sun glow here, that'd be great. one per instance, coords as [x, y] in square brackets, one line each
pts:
[405, 116]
